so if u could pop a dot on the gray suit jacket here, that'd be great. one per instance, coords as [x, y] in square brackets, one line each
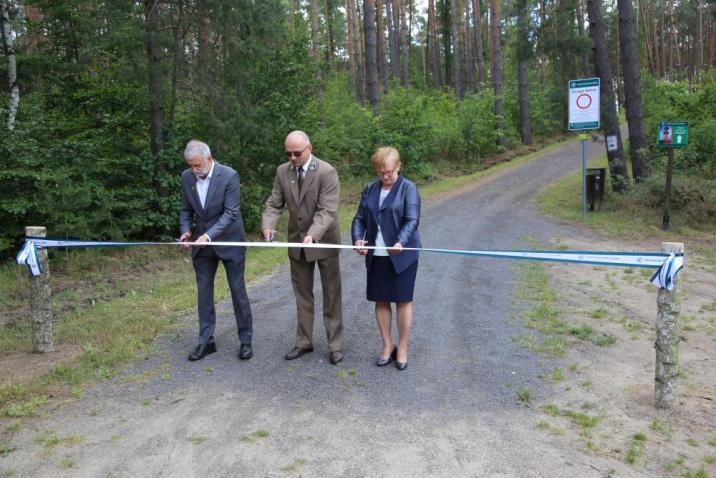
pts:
[221, 218]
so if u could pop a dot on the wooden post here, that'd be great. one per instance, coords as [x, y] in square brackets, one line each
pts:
[41, 299]
[667, 337]
[667, 189]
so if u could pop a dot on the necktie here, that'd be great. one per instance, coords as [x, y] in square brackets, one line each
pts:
[299, 173]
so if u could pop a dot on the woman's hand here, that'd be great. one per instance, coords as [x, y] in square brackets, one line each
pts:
[360, 243]
[396, 249]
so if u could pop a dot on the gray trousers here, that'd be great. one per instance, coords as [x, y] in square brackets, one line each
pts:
[205, 264]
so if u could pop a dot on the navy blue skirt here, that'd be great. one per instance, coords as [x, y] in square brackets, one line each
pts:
[384, 285]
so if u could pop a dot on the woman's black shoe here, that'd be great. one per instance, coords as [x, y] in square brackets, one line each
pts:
[383, 362]
[401, 365]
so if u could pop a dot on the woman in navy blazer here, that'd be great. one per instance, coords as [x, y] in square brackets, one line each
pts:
[388, 217]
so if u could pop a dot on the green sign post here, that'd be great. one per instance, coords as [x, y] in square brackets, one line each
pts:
[671, 134]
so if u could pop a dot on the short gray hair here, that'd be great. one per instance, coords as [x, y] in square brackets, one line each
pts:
[196, 147]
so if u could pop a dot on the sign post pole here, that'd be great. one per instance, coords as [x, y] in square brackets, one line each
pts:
[667, 188]
[584, 115]
[584, 177]
[671, 134]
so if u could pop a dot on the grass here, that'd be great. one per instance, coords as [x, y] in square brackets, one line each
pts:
[525, 396]
[49, 441]
[538, 307]
[633, 454]
[620, 217]
[112, 304]
[293, 467]
[254, 436]
[578, 419]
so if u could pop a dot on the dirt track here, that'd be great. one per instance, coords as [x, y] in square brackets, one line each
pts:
[453, 412]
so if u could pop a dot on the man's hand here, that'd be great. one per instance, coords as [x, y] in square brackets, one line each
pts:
[268, 234]
[202, 240]
[396, 249]
[308, 239]
[183, 238]
[360, 243]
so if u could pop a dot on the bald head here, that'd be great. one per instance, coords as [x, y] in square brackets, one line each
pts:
[298, 148]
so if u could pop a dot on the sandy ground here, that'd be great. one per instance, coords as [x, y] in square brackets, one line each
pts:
[618, 382]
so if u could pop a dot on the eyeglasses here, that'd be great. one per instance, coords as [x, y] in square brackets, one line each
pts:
[296, 154]
[386, 173]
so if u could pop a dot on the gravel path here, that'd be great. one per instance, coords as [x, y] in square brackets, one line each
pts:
[453, 412]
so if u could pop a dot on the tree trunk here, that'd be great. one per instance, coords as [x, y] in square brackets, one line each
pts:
[156, 93]
[456, 49]
[580, 28]
[393, 38]
[8, 43]
[610, 122]
[314, 29]
[469, 52]
[477, 19]
[179, 34]
[434, 45]
[382, 64]
[523, 56]
[632, 89]
[496, 72]
[330, 47]
[371, 70]
[358, 48]
[292, 15]
[352, 64]
[404, 46]
[203, 66]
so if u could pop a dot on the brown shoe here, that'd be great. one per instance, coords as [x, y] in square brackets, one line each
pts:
[335, 357]
[297, 352]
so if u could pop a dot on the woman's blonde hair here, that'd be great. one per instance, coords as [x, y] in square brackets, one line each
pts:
[381, 155]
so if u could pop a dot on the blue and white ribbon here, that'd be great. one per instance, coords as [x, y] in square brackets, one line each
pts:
[28, 257]
[667, 265]
[665, 276]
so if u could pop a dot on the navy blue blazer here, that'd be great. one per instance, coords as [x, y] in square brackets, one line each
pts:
[398, 218]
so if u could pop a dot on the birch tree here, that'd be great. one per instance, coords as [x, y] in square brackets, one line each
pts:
[8, 43]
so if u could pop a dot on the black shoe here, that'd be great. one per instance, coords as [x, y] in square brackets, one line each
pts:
[245, 352]
[202, 350]
[383, 362]
[401, 365]
[335, 357]
[297, 352]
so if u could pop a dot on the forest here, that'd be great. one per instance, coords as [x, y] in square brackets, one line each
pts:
[98, 97]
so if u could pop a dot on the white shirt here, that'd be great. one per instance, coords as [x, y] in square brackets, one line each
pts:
[379, 241]
[202, 185]
[304, 167]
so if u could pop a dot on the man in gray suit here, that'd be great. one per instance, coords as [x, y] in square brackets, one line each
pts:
[210, 201]
[309, 188]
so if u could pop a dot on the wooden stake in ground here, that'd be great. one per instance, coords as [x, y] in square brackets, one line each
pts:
[41, 299]
[667, 337]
